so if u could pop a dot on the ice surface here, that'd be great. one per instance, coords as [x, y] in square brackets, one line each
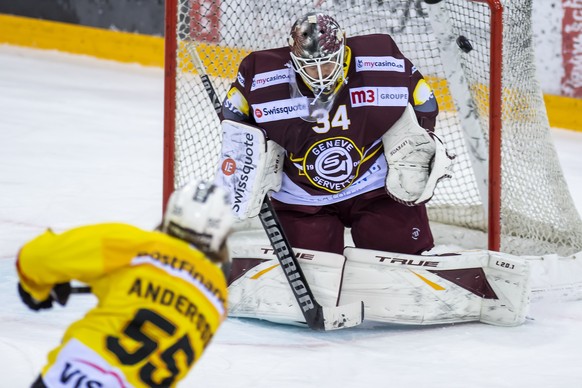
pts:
[81, 142]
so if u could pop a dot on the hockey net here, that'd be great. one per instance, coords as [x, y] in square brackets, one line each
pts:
[536, 212]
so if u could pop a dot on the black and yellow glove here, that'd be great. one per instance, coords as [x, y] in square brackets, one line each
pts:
[60, 294]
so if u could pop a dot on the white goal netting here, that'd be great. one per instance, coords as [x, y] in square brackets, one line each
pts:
[537, 211]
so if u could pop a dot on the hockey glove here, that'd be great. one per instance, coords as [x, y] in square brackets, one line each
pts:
[251, 166]
[60, 294]
[417, 160]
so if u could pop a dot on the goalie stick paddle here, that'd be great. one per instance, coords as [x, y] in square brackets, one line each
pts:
[316, 316]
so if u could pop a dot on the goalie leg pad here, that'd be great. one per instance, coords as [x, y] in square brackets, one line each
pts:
[484, 286]
[556, 277]
[261, 291]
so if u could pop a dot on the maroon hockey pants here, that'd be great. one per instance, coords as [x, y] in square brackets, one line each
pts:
[376, 221]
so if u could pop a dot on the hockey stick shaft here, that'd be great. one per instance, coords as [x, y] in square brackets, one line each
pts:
[81, 290]
[311, 310]
[201, 69]
[316, 316]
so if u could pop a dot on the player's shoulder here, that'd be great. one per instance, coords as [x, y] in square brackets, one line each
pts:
[273, 53]
[157, 244]
[99, 228]
[111, 230]
[265, 60]
[373, 45]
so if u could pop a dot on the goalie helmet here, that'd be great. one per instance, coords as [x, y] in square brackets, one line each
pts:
[317, 46]
[200, 214]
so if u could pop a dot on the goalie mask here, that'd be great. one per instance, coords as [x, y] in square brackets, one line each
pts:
[317, 46]
[200, 214]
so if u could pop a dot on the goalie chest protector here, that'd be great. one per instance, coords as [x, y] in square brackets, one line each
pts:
[326, 155]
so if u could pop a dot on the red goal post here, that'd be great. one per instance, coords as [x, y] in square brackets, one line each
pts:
[507, 193]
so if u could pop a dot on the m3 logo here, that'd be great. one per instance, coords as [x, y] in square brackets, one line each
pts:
[378, 96]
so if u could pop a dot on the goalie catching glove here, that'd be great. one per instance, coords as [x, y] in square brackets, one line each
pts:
[250, 167]
[417, 160]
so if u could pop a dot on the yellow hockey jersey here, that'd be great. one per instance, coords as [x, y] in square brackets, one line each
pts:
[160, 301]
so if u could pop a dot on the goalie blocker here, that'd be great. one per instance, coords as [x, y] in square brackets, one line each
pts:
[485, 286]
[250, 167]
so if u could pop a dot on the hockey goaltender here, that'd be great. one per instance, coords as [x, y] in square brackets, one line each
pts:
[310, 132]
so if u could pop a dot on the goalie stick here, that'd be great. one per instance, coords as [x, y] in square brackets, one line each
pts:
[316, 316]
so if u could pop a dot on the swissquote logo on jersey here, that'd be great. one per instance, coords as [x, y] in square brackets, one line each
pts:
[380, 64]
[270, 78]
[332, 164]
[379, 96]
[281, 109]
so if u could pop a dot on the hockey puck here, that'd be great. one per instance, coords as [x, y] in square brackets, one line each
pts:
[464, 44]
